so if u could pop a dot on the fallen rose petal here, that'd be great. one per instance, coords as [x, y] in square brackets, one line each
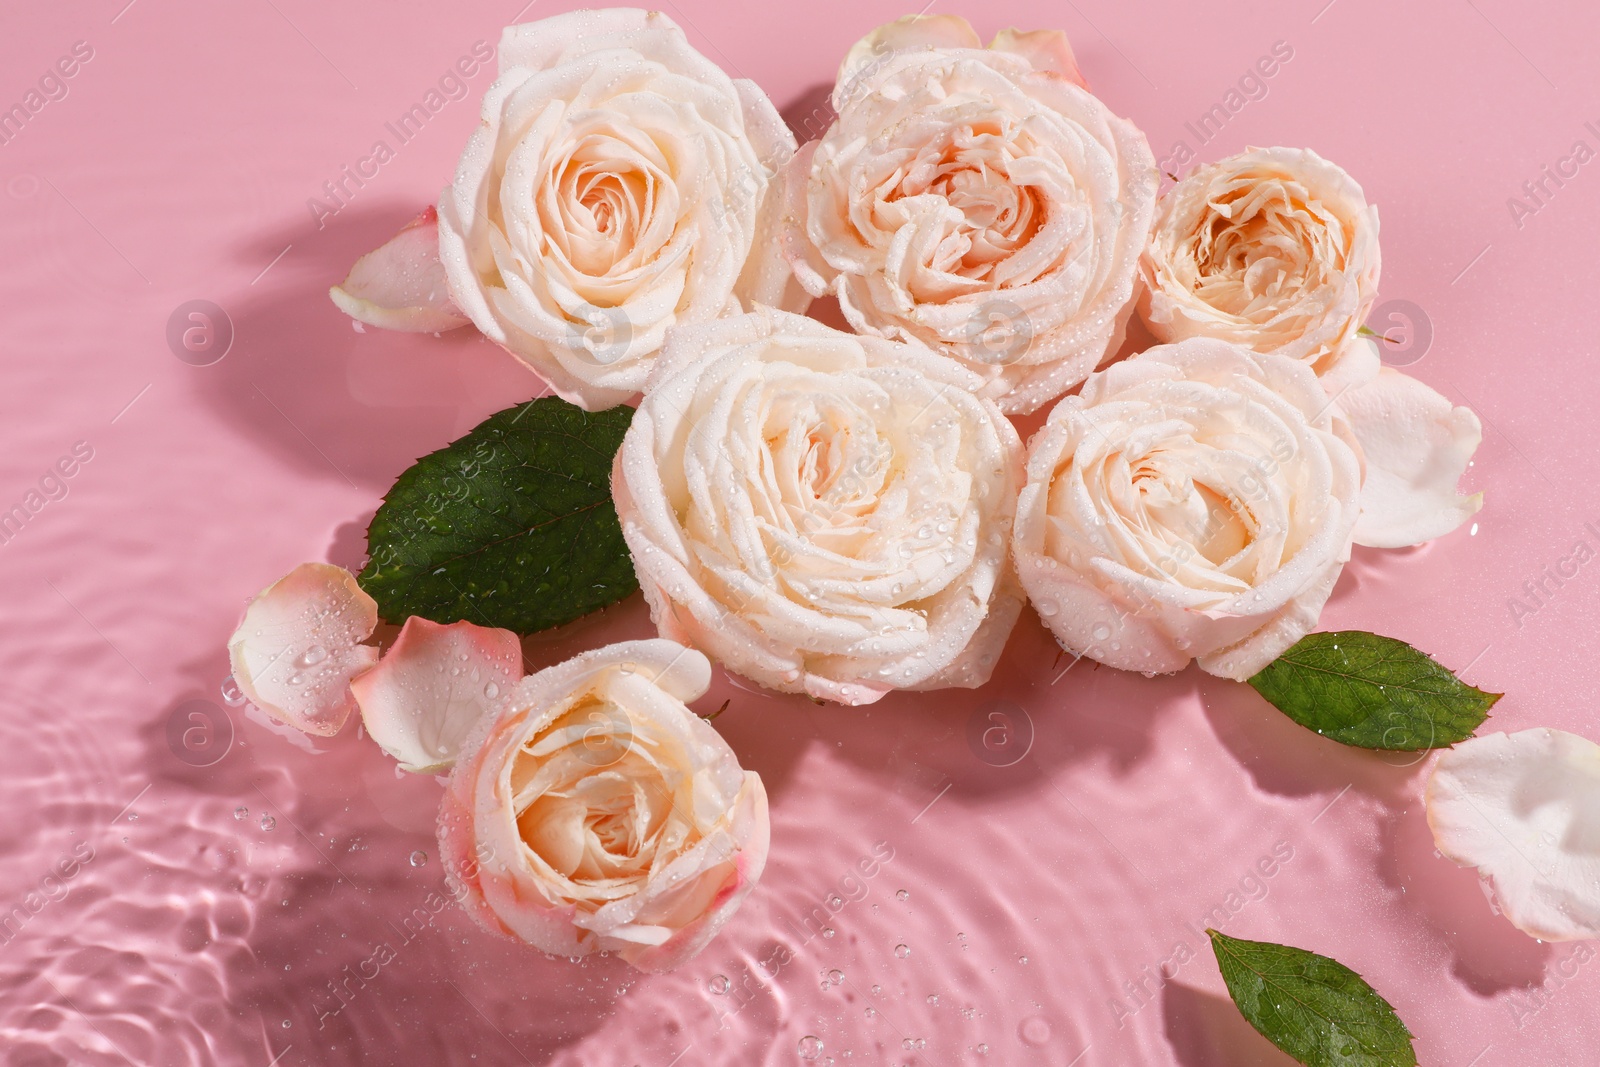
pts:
[401, 285]
[433, 686]
[1524, 809]
[299, 645]
[1416, 447]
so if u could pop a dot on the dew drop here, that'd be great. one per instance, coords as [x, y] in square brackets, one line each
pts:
[313, 656]
[419, 858]
[491, 690]
[902, 951]
[903, 894]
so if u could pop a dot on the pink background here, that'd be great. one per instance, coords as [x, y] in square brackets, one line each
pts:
[179, 166]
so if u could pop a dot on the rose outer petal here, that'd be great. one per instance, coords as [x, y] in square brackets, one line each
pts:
[428, 692]
[299, 645]
[904, 34]
[401, 285]
[1416, 447]
[1524, 809]
[1047, 50]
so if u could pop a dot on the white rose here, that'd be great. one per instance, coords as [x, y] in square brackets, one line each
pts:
[978, 200]
[1195, 501]
[596, 813]
[617, 185]
[1275, 249]
[824, 513]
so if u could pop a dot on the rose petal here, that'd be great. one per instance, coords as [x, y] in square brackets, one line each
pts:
[1047, 50]
[767, 279]
[1524, 809]
[401, 285]
[1416, 446]
[902, 35]
[299, 645]
[433, 686]
[730, 880]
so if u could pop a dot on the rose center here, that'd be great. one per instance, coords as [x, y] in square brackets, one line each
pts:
[1189, 512]
[998, 216]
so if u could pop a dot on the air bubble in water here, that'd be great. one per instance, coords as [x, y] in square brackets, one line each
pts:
[810, 1047]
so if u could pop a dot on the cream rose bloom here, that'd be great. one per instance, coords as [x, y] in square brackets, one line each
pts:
[617, 185]
[1194, 502]
[823, 513]
[1275, 249]
[978, 200]
[596, 813]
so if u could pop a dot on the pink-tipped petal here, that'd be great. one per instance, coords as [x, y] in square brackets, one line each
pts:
[694, 912]
[1047, 50]
[401, 285]
[904, 34]
[1416, 447]
[1524, 809]
[299, 646]
[433, 686]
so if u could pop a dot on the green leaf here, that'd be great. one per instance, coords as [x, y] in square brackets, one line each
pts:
[1316, 1009]
[510, 526]
[1372, 692]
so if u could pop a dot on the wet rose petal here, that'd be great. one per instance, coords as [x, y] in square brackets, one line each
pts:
[299, 645]
[433, 686]
[401, 285]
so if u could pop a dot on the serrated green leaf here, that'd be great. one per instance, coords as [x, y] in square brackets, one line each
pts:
[1372, 692]
[1314, 1008]
[510, 526]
